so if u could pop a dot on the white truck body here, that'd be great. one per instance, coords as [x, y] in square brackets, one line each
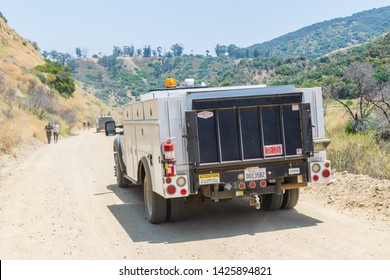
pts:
[216, 151]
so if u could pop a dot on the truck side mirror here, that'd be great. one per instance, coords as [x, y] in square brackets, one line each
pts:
[110, 128]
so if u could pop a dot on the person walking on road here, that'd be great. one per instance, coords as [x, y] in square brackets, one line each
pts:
[56, 131]
[48, 129]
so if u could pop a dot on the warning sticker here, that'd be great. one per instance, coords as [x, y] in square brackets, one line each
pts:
[206, 179]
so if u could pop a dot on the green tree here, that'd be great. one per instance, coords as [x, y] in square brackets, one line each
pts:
[117, 51]
[109, 62]
[233, 51]
[147, 51]
[128, 50]
[79, 54]
[371, 95]
[159, 51]
[72, 63]
[177, 49]
[63, 58]
[220, 50]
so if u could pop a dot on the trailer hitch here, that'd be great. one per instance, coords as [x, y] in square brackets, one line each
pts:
[255, 200]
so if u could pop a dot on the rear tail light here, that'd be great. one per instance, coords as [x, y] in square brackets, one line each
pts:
[320, 171]
[171, 189]
[241, 185]
[326, 173]
[263, 183]
[252, 184]
[175, 186]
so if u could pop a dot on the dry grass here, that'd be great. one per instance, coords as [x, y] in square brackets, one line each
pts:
[359, 154]
[18, 57]
[21, 129]
[355, 153]
[9, 138]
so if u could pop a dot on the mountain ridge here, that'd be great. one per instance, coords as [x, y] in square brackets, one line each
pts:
[323, 37]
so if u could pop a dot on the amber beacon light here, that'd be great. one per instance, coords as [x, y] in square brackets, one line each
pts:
[170, 82]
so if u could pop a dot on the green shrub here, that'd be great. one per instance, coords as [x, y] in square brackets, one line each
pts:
[360, 126]
[350, 127]
[59, 78]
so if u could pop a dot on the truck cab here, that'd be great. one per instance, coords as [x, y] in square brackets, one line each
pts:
[101, 122]
[262, 143]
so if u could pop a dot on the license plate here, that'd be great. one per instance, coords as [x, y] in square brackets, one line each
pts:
[252, 174]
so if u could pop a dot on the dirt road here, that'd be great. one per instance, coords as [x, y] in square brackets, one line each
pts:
[61, 202]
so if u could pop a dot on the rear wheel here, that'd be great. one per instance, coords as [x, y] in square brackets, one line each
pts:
[175, 210]
[271, 201]
[155, 205]
[290, 198]
[121, 181]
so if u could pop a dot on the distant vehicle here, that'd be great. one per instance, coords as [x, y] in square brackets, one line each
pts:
[101, 122]
[263, 143]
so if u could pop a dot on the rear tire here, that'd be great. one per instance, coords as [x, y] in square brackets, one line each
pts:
[271, 202]
[121, 181]
[175, 210]
[290, 198]
[155, 205]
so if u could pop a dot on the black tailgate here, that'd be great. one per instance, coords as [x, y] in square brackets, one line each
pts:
[248, 129]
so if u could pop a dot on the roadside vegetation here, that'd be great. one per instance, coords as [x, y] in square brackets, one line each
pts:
[56, 76]
[358, 153]
[34, 91]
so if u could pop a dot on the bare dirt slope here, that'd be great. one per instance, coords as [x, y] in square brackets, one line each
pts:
[60, 201]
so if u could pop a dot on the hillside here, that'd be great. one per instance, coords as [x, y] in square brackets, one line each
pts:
[115, 79]
[299, 58]
[321, 38]
[27, 104]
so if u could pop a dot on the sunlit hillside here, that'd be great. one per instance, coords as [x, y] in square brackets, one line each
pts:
[22, 118]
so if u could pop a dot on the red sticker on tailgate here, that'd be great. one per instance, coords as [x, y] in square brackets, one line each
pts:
[273, 150]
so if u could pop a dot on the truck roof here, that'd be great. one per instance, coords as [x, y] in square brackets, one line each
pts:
[215, 92]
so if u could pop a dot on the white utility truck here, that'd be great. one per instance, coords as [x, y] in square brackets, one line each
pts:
[259, 142]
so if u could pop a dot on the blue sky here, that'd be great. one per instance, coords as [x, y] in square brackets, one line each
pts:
[98, 25]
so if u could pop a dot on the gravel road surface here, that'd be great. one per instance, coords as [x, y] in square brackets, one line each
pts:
[60, 202]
